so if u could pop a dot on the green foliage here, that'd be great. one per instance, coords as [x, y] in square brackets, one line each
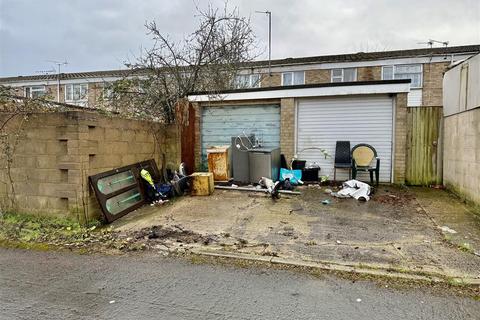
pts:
[36, 228]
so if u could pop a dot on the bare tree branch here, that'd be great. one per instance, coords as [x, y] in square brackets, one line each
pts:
[206, 60]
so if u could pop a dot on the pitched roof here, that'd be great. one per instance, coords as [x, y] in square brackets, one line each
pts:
[368, 56]
[351, 57]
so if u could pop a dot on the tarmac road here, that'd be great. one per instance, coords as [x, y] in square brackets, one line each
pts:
[57, 285]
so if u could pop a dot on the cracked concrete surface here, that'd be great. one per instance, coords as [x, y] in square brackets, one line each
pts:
[398, 228]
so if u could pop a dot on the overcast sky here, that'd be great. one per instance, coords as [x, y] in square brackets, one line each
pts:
[103, 34]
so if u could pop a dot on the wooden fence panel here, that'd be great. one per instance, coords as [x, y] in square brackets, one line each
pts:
[424, 152]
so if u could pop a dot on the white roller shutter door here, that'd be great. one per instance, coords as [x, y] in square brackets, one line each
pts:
[359, 119]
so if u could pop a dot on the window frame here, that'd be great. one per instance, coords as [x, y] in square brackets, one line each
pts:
[76, 84]
[394, 68]
[27, 91]
[107, 86]
[293, 78]
[251, 82]
[343, 74]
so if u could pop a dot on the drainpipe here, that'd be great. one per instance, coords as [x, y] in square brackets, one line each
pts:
[58, 86]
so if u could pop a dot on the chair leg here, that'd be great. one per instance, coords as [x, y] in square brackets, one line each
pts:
[377, 174]
[354, 173]
[334, 174]
[371, 177]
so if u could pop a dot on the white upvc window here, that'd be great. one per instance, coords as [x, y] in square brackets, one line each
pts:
[76, 92]
[243, 81]
[344, 75]
[404, 71]
[107, 91]
[293, 78]
[35, 92]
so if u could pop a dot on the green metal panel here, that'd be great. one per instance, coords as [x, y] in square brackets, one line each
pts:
[424, 156]
[220, 123]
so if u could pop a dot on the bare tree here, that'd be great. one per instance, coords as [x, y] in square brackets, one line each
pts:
[206, 60]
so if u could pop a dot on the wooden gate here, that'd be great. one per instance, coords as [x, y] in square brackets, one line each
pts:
[424, 146]
[185, 114]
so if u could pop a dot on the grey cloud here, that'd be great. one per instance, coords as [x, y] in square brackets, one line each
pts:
[96, 35]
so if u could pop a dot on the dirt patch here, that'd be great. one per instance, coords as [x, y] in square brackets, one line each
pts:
[175, 233]
[402, 199]
[35, 232]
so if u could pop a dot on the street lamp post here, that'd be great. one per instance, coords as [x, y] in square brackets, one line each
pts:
[269, 13]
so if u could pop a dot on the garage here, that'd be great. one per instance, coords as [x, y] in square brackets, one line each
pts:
[220, 123]
[359, 119]
[296, 118]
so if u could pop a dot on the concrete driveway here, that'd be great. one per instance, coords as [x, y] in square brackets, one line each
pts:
[398, 229]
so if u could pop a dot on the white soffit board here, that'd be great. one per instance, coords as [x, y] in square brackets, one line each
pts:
[305, 92]
[361, 119]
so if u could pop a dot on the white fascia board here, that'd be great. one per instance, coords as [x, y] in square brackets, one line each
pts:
[305, 92]
[371, 63]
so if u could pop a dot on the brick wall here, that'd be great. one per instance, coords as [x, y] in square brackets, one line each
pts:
[317, 76]
[56, 153]
[461, 154]
[369, 73]
[400, 148]
[287, 127]
[274, 80]
[433, 83]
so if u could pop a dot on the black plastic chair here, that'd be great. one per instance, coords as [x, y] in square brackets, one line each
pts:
[343, 158]
[362, 156]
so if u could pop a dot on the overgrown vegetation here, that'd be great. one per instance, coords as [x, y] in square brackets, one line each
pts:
[43, 229]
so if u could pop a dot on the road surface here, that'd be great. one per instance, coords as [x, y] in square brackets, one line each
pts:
[55, 285]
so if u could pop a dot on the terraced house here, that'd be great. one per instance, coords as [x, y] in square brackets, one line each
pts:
[390, 99]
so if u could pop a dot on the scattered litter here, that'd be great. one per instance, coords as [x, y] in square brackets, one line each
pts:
[355, 189]
[328, 191]
[359, 300]
[339, 242]
[326, 201]
[111, 301]
[255, 189]
[234, 185]
[477, 253]
[447, 229]
[293, 176]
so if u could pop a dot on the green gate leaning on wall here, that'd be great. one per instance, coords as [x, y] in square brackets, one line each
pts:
[424, 151]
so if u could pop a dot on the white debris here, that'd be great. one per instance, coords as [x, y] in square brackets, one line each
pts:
[355, 189]
[447, 229]
[111, 301]
[359, 300]
[339, 242]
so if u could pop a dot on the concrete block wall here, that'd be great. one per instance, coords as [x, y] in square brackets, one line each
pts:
[461, 154]
[56, 153]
